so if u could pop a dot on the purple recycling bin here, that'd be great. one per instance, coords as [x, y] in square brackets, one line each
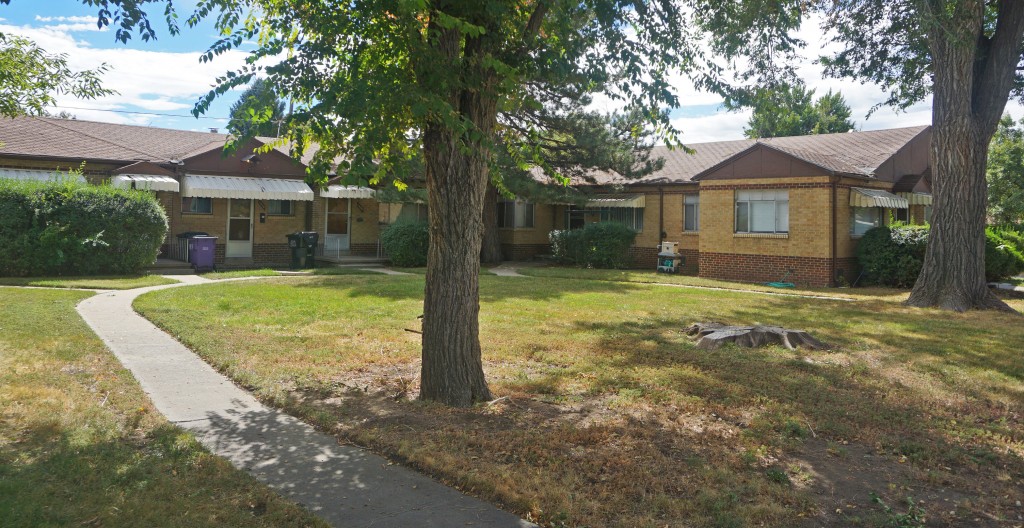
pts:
[201, 250]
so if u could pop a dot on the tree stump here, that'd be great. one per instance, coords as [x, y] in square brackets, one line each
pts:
[713, 335]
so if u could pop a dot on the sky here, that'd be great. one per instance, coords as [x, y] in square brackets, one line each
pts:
[165, 77]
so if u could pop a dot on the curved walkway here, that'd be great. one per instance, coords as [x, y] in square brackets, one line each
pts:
[344, 485]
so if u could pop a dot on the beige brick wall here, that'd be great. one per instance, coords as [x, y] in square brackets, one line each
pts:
[809, 219]
[546, 217]
[272, 231]
[365, 227]
[673, 218]
[364, 220]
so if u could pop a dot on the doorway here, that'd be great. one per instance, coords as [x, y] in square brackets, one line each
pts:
[338, 228]
[239, 242]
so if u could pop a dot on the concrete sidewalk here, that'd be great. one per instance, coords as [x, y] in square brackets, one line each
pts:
[344, 485]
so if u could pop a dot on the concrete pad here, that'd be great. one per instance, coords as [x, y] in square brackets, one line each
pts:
[506, 271]
[344, 485]
[386, 271]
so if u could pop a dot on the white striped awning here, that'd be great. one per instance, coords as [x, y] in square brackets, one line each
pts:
[347, 191]
[863, 197]
[617, 200]
[38, 175]
[149, 182]
[916, 198]
[203, 186]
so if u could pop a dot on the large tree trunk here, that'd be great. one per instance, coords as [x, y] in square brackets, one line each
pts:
[490, 252]
[953, 275]
[457, 177]
[973, 75]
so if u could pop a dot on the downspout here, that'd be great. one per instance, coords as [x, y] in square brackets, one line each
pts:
[661, 215]
[832, 277]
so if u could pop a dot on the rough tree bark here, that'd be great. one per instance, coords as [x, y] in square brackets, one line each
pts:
[490, 252]
[457, 177]
[973, 75]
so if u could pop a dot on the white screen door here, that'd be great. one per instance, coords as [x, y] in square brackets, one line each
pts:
[338, 226]
[239, 243]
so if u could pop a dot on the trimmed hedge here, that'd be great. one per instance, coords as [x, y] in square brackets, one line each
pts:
[893, 255]
[73, 228]
[596, 245]
[406, 243]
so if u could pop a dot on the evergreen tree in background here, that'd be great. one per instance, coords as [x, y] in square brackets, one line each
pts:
[790, 110]
[258, 112]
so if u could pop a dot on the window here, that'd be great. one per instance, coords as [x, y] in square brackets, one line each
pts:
[691, 212]
[762, 211]
[631, 217]
[928, 214]
[518, 214]
[864, 218]
[408, 212]
[194, 205]
[279, 207]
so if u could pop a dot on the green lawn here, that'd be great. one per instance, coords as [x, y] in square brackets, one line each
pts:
[220, 275]
[91, 283]
[81, 445]
[651, 277]
[611, 417]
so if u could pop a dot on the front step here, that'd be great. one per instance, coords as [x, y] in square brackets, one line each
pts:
[170, 267]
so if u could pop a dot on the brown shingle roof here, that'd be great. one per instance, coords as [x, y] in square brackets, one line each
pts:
[92, 140]
[846, 153]
[861, 150]
[32, 136]
[681, 166]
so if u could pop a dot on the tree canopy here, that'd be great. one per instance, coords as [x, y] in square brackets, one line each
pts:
[257, 112]
[791, 110]
[1006, 173]
[31, 78]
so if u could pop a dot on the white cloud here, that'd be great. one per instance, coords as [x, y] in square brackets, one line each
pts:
[145, 80]
[77, 19]
[860, 97]
[720, 126]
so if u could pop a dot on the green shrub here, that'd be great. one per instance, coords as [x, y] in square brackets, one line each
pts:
[596, 245]
[893, 255]
[406, 243]
[1003, 258]
[1012, 235]
[72, 228]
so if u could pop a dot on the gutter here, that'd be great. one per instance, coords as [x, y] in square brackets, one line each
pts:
[661, 214]
[833, 263]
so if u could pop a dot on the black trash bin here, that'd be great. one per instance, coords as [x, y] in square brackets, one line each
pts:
[303, 247]
[181, 253]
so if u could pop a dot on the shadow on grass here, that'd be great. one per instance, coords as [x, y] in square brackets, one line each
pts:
[842, 400]
[164, 479]
[492, 288]
[344, 485]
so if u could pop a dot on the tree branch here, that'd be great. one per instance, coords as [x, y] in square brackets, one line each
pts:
[997, 73]
[533, 25]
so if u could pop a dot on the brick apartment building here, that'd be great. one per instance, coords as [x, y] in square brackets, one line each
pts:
[749, 210]
[250, 201]
[753, 210]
